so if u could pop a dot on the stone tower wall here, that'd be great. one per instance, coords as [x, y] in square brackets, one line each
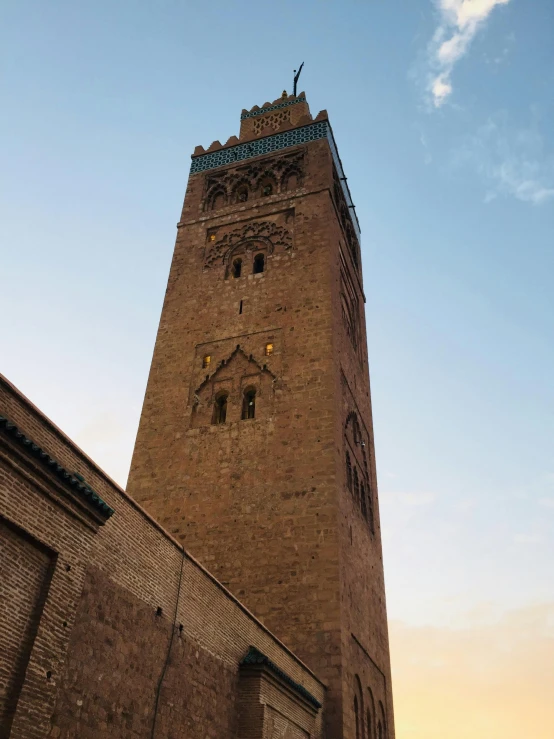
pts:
[267, 503]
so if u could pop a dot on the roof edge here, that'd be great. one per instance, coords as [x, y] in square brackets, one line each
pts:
[256, 658]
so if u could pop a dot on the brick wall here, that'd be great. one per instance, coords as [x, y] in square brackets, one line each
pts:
[23, 588]
[121, 593]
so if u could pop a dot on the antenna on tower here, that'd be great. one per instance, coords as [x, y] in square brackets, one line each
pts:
[296, 76]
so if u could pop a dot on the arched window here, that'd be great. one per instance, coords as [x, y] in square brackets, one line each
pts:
[369, 724]
[267, 189]
[348, 471]
[259, 263]
[218, 200]
[290, 181]
[236, 268]
[220, 408]
[356, 485]
[363, 501]
[357, 717]
[370, 716]
[242, 194]
[381, 726]
[249, 404]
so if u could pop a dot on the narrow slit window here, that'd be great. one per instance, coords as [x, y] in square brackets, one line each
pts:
[237, 268]
[268, 350]
[220, 409]
[240, 308]
[249, 405]
[206, 361]
[348, 472]
[370, 518]
[259, 264]
[363, 500]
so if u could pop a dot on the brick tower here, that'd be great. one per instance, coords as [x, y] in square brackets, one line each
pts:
[255, 445]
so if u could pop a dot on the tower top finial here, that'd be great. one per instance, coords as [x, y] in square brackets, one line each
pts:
[296, 76]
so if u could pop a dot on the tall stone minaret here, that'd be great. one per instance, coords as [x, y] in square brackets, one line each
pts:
[255, 445]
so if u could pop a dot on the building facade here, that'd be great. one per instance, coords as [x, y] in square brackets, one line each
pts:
[236, 589]
[255, 446]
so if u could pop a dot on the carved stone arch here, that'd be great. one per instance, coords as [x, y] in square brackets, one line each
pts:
[349, 319]
[345, 219]
[352, 242]
[337, 192]
[358, 708]
[240, 187]
[352, 420]
[260, 243]
[238, 373]
[291, 179]
[267, 179]
[356, 446]
[370, 715]
[271, 234]
[381, 723]
[216, 198]
[247, 249]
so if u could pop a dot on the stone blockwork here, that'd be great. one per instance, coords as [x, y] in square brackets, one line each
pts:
[266, 502]
[108, 627]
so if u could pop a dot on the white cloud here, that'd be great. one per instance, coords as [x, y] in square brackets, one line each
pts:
[459, 21]
[512, 162]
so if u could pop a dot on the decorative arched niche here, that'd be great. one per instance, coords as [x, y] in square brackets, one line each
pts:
[240, 389]
[357, 468]
[250, 252]
[265, 237]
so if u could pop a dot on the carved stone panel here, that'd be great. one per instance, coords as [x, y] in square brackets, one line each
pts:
[248, 181]
[272, 234]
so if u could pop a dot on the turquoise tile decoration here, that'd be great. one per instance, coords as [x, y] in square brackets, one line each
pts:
[257, 147]
[277, 142]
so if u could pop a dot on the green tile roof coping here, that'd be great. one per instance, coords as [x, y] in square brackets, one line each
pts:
[73, 480]
[255, 657]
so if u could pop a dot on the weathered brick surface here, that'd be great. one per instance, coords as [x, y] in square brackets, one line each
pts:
[100, 647]
[265, 503]
[22, 592]
[116, 657]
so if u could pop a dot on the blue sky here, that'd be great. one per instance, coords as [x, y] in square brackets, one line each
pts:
[442, 111]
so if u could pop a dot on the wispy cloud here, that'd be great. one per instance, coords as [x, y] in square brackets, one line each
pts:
[459, 21]
[512, 162]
